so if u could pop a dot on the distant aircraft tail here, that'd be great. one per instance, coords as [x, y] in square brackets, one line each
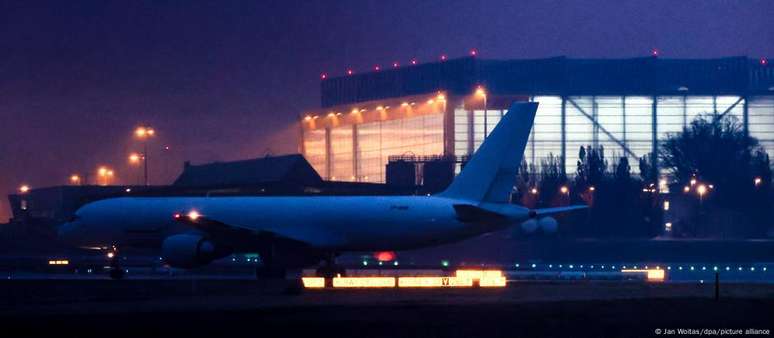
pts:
[490, 174]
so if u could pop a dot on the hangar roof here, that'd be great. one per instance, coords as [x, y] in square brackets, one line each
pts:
[558, 76]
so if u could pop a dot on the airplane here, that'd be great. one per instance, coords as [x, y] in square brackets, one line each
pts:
[302, 231]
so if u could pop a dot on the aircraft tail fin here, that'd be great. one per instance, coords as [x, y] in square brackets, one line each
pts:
[490, 173]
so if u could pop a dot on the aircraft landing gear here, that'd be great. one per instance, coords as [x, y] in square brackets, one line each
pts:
[115, 271]
[330, 269]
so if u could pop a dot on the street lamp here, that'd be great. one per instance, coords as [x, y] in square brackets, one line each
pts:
[135, 158]
[701, 190]
[24, 188]
[101, 174]
[480, 92]
[105, 175]
[144, 133]
[75, 179]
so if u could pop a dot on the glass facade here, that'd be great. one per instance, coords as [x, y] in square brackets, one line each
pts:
[314, 150]
[359, 152]
[760, 114]
[623, 125]
[341, 156]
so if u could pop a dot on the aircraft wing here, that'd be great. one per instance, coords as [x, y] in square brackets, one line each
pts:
[557, 210]
[239, 234]
[235, 234]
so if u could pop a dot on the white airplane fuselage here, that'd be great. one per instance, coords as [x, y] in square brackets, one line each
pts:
[341, 223]
[298, 231]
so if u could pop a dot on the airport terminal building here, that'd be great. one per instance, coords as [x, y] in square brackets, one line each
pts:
[445, 109]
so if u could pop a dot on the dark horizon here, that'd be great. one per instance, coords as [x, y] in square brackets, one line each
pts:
[224, 81]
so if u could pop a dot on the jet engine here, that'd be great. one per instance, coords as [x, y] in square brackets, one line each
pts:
[529, 226]
[189, 251]
[548, 224]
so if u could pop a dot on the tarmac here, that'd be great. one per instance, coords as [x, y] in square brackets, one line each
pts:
[224, 307]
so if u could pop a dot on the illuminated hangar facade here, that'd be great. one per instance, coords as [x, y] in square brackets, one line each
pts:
[446, 109]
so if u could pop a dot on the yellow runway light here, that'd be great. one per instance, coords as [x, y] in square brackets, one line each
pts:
[421, 282]
[59, 262]
[460, 282]
[364, 282]
[434, 282]
[490, 282]
[478, 274]
[313, 282]
[485, 278]
[462, 278]
[651, 275]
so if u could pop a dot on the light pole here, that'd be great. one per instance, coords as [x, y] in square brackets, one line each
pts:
[135, 158]
[480, 92]
[143, 133]
[75, 179]
[105, 174]
[701, 190]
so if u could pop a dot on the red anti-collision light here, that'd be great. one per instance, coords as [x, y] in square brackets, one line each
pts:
[384, 256]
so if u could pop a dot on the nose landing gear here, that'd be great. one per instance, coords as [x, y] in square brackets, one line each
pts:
[330, 269]
[115, 271]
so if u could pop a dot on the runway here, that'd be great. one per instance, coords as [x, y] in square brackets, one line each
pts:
[196, 307]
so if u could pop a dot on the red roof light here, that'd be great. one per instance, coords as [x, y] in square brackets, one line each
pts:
[384, 256]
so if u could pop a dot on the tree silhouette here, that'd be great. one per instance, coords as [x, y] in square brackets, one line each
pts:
[591, 167]
[646, 168]
[715, 149]
[623, 170]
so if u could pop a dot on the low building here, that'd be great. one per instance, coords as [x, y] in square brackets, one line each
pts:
[280, 175]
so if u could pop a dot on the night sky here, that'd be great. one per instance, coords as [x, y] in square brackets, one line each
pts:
[226, 80]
